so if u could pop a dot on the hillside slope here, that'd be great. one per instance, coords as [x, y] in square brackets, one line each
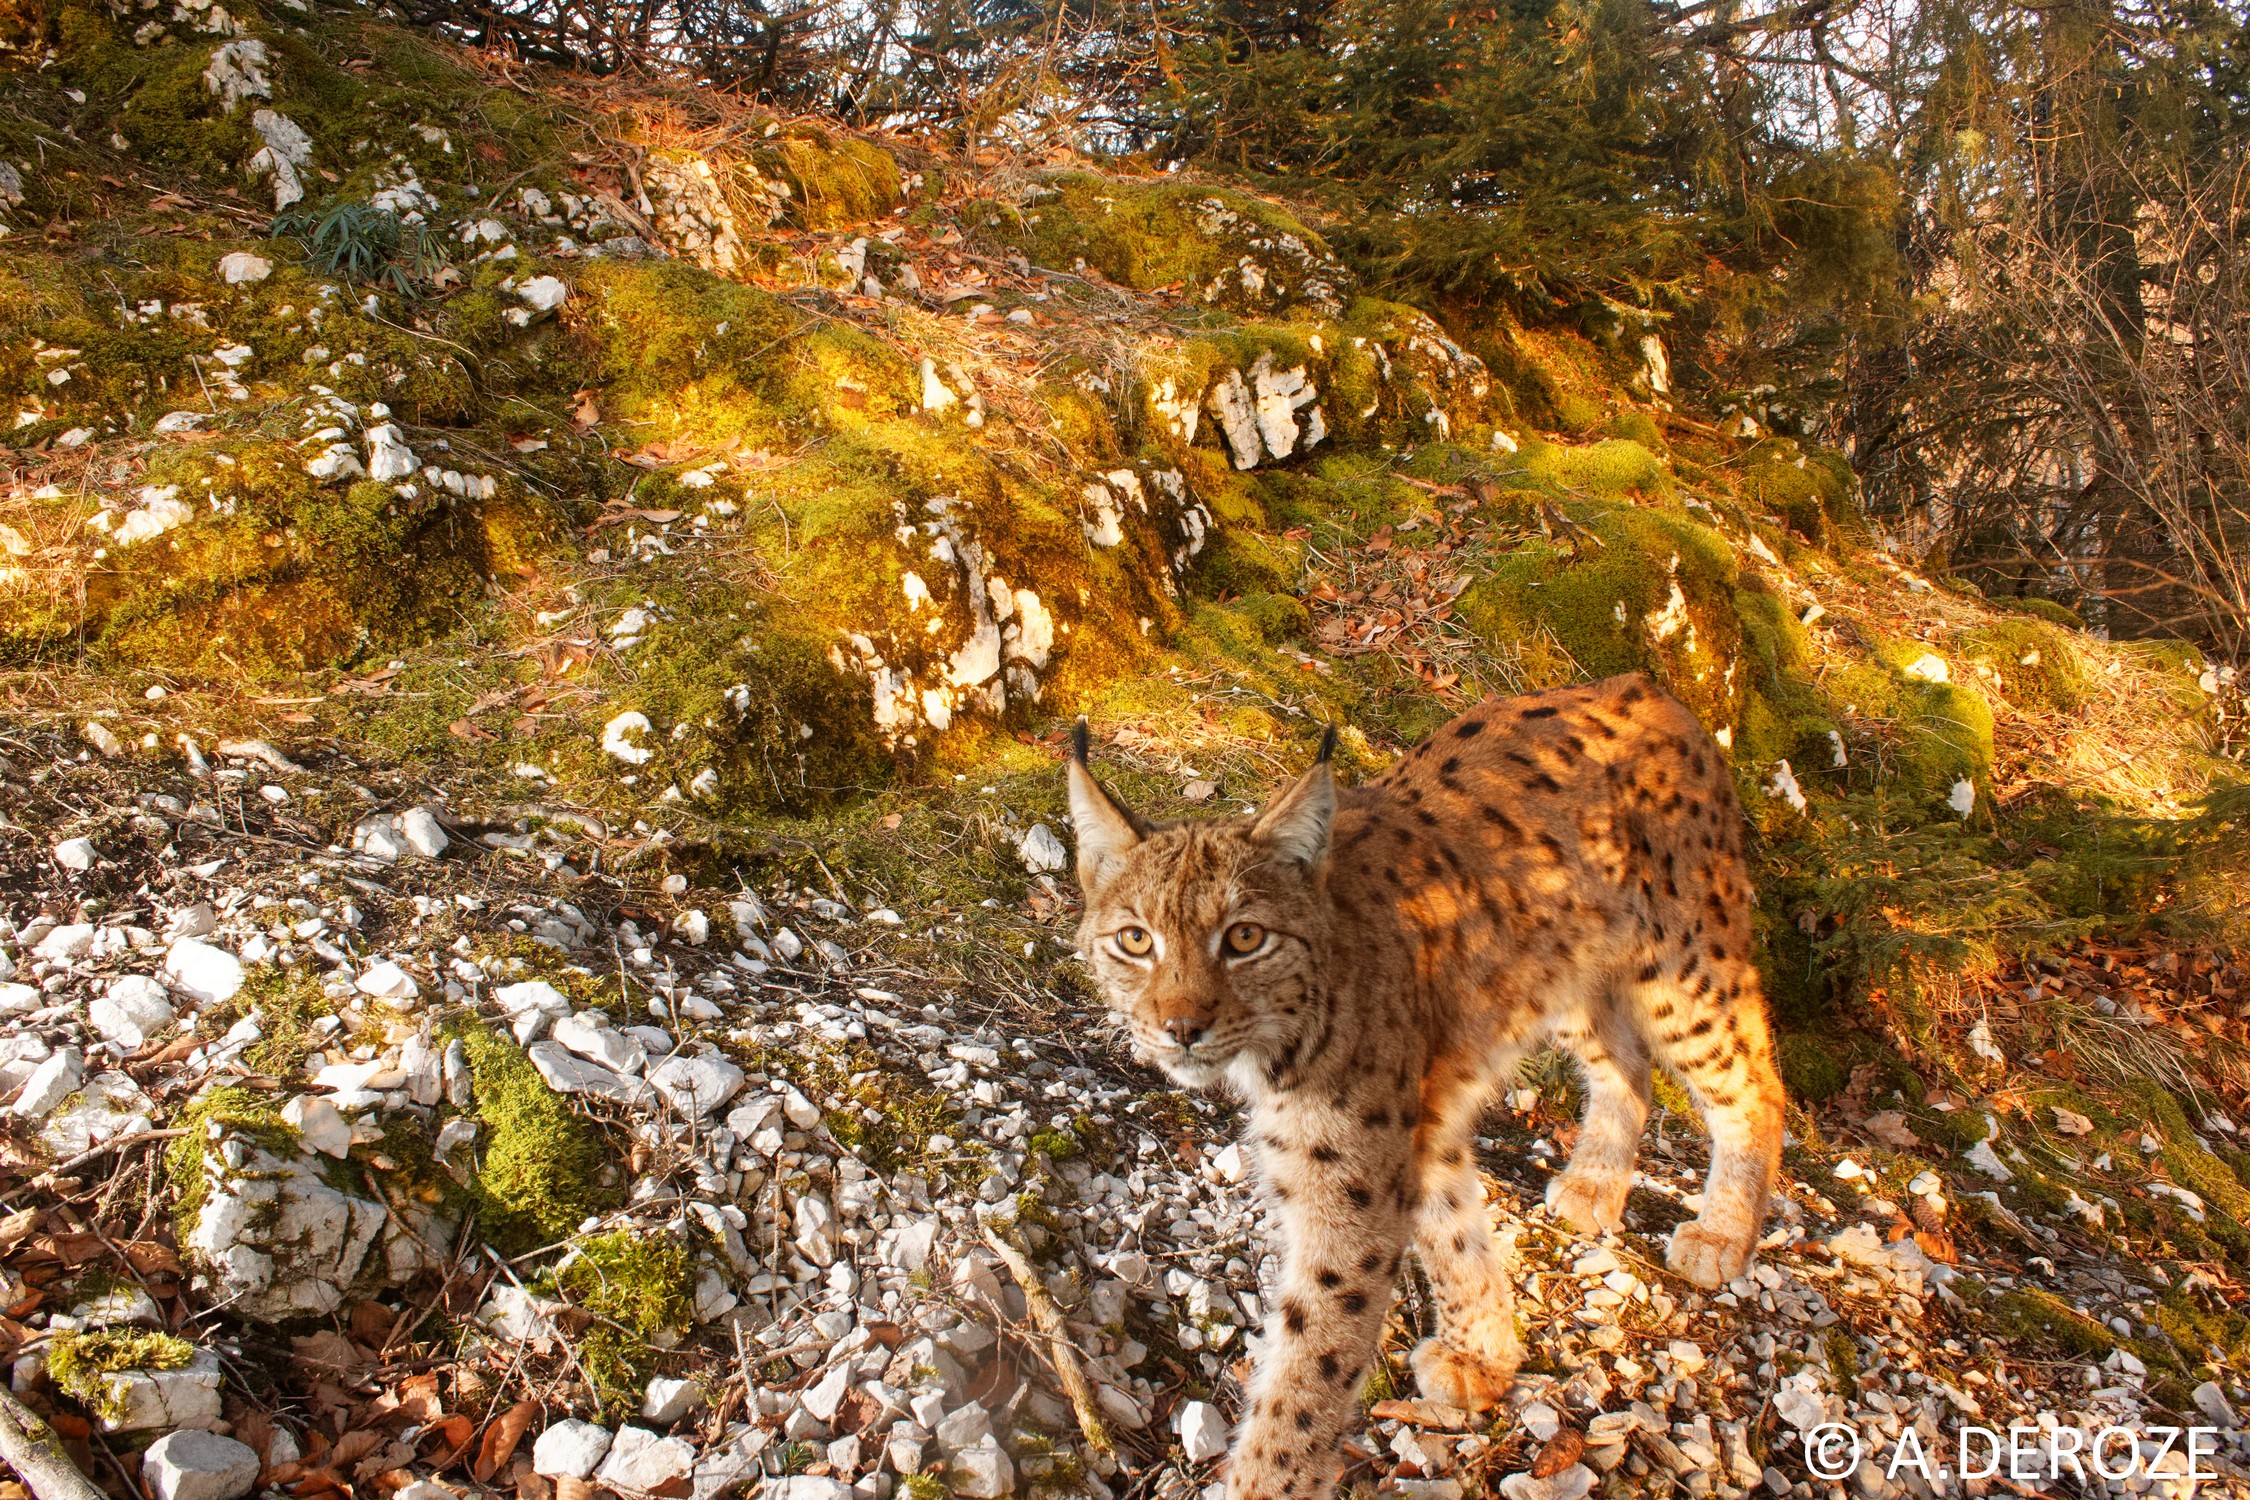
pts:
[596, 526]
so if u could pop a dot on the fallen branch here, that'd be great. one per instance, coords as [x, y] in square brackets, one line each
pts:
[47, 1178]
[1049, 1317]
[35, 1451]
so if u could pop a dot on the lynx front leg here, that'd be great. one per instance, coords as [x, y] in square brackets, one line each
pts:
[1344, 1211]
[1590, 1193]
[1473, 1356]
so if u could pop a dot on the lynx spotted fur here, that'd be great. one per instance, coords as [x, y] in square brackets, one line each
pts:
[1366, 968]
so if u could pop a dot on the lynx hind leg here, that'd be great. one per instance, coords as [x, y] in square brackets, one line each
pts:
[1471, 1360]
[1590, 1193]
[1709, 1027]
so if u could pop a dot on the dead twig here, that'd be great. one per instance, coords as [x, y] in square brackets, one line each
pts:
[1049, 1317]
[47, 1178]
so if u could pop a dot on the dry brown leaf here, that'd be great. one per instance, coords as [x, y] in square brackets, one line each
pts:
[370, 1322]
[355, 1445]
[501, 1435]
[330, 1348]
[1889, 1128]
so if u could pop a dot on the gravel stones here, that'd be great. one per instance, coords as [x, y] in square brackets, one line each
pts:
[1203, 1432]
[190, 1465]
[240, 268]
[696, 1086]
[640, 1462]
[419, 827]
[134, 1009]
[1042, 852]
[206, 974]
[667, 1400]
[321, 1125]
[53, 1081]
[567, 1073]
[589, 1035]
[981, 1473]
[569, 1449]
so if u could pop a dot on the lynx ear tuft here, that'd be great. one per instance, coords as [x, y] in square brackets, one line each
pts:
[1327, 745]
[1107, 830]
[1296, 825]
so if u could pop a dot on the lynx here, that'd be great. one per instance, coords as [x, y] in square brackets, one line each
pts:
[1366, 968]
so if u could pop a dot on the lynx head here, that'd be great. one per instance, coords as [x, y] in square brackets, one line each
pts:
[1209, 940]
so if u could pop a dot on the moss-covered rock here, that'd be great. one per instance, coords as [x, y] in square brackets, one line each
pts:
[1213, 245]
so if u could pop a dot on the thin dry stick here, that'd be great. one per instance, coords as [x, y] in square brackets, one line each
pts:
[1049, 1317]
[35, 1451]
[47, 1178]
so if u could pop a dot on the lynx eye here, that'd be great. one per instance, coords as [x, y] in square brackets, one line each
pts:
[1135, 941]
[1245, 937]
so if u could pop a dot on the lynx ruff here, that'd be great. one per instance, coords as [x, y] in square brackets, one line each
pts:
[1367, 967]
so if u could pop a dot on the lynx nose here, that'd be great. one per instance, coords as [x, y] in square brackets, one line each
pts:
[1187, 1030]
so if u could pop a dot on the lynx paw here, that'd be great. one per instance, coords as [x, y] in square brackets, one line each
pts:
[1454, 1377]
[1708, 1256]
[1589, 1202]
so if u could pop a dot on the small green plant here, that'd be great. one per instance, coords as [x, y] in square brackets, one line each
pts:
[641, 1291]
[360, 242]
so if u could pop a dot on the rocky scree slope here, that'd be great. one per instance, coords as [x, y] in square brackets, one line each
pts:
[525, 681]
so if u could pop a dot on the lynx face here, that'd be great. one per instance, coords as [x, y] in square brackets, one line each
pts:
[1208, 940]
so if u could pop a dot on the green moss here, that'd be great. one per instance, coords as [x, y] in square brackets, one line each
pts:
[2040, 609]
[287, 1001]
[1613, 466]
[1637, 427]
[1279, 617]
[640, 1288]
[1813, 1067]
[2037, 663]
[1158, 233]
[79, 1364]
[542, 1170]
[1812, 491]
[233, 1111]
[836, 179]
[1656, 596]
[2044, 1320]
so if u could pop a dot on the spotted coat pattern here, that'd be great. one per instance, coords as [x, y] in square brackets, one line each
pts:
[1367, 968]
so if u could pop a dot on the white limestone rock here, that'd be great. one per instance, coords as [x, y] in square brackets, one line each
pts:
[419, 827]
[278, 1242]
[667, 1400]
[321, 1125]
[191, 1465]
[53, 1081]
[570, 1449]
[145, 1400]
[106, 1106]
[240, 268]
[639, 1461]
[567, 1073]
[206, 974]
[696, 1086]
[1203, 1432]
